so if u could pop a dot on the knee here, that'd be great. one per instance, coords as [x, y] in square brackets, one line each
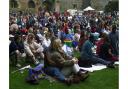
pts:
[42, 55]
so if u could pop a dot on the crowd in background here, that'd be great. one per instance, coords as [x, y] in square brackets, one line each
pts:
[53, 38]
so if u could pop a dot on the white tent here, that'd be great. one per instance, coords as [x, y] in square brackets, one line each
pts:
[88, 9]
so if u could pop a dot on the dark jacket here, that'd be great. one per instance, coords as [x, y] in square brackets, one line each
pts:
[16, 46]
[59, 60]
[86, 52]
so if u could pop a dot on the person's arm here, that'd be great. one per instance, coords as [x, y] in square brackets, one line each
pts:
[39, 48]
[61, 61]
[110, 52]
[27, 49]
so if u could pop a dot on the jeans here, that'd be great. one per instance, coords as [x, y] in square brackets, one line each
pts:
[55, 72]
[100, 60]
[95, 60]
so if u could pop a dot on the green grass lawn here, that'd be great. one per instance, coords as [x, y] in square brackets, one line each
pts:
[103, 79]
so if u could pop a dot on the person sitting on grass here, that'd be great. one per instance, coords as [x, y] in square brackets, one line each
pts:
[16, 48]
[32, 49]
[83, 37]
[88, 57]
[60, 66]
[105, 49]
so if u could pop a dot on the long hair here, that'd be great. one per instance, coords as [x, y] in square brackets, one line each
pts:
[30, 36]
[55, 44]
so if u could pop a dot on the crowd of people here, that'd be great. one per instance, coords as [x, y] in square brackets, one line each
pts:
[53, 38]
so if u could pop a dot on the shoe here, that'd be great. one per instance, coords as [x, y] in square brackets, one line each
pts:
[68, 81]
[110, 65]
[76, 79]
[83, 74]
[35, 82]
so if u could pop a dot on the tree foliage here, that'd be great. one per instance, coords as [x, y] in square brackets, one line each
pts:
[112, 6]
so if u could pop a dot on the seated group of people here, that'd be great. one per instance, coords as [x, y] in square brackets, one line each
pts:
[57, 63]
[54, 39]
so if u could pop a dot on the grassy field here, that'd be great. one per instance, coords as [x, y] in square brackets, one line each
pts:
[103, 79]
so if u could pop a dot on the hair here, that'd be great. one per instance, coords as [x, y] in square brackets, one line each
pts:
[55, 44]
[48, 34]
[17, 37]
[32, 35]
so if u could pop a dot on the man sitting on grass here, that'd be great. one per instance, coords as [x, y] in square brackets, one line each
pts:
[87, 55]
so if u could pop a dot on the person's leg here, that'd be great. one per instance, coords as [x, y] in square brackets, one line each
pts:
[17, 55]
[85, 63]
[34, 60]
[66, 71]
[31, 55]
[55, 72]
[41, 57]
[76, 68]
[99, 60]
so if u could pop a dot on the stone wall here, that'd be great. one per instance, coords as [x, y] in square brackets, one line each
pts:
[23, 4]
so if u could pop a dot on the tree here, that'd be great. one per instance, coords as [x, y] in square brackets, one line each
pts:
[112, 6]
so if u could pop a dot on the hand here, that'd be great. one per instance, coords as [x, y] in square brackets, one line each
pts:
[75, 58]
[75, 61]
[34, 51]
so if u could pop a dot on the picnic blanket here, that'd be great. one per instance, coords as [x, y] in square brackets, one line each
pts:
[97, 67]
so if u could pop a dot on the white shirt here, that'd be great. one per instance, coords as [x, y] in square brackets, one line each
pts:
[33, 46]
